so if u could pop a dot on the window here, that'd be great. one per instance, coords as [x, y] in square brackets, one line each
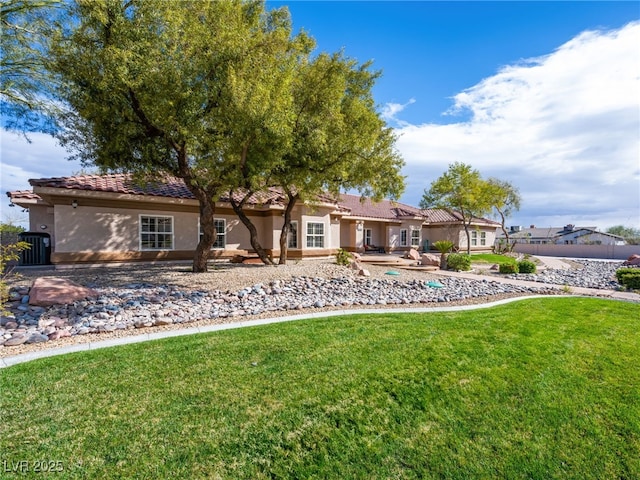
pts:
[415, 238]
[403, 237]
[156, 233]
[474, 238]
[315, 235]
[368, 236]
[292, 238]
[220, 224]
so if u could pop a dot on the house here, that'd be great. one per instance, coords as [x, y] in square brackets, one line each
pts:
[567, 235]
[112, 218]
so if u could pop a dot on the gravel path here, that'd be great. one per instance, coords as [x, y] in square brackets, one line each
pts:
[169, 297]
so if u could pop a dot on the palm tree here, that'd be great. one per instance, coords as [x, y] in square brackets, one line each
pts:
[444, 247]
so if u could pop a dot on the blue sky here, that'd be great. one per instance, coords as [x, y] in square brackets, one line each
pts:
[543, 94]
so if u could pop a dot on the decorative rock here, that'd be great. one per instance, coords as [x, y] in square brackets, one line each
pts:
[633, 260]
[163, 321]
[47, 291]
[59, 334]
[16, 340]
[430, 259]
[413, 255]
[363, 272]
[37, 338]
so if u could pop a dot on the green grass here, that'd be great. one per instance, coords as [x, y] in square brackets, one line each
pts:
[491, 258]
[539, 389]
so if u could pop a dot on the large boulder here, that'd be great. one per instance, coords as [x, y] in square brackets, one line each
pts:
[632, 260]
[413, 255]
[48, 291]
[430, 259]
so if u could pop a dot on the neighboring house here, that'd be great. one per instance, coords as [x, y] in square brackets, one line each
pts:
[108, 218]
[567, 235]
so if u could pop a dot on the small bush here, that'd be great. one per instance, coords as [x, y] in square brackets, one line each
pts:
[629, 277]
[343, 257]
[508, 268]
[526, 266]
[459, 262]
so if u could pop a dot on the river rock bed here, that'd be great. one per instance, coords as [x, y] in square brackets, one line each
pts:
[586, 273]
[139, 305]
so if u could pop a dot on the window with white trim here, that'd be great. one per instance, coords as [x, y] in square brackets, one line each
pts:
[220, 225]
[315, 235]
[415, 238]
[403, 237]
[475, 236]
[156, 233]
[292, 236]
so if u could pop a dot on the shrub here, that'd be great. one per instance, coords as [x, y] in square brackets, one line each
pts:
[8, 253]
[526, 266]
[443, 246]
[459, 261]
[343, 257]
[629, 277]
[508, 268]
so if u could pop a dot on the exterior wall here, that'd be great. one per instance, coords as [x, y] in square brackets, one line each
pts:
[615, 252]
[457, 235]
[352, 235]
[436, 233]
[42, 215]
[94, 234]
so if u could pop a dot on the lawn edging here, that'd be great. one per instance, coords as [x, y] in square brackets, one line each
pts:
[81, 347]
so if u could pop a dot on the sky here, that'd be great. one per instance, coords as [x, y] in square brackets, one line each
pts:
[545, 95]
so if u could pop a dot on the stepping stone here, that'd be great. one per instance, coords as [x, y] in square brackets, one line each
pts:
[434, 284]
[392, 272]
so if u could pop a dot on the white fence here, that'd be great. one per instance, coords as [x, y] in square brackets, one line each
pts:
[614, 252]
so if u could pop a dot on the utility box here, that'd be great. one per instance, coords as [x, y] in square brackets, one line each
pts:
[40, 251]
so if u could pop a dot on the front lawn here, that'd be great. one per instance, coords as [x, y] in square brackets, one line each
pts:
[491, 258]
[542, 388]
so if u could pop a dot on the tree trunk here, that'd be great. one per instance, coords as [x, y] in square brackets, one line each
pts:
[466, 230]
[253, 232]
[209, 234]
[286, 227]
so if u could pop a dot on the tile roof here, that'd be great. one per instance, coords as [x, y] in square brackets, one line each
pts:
[384, 209]
[23, 194]
[172, 187]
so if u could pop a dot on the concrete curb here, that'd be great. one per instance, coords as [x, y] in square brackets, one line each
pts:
[27, 357]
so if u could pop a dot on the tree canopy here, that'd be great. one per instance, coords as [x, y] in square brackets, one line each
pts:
[180, 88]
[506, 200]
[461, 189]
[338, 141]
[25, 83]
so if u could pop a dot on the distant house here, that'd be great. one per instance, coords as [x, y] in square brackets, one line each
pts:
[567, 235]
[111, 218]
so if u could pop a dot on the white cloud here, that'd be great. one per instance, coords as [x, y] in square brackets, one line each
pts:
[21, 160]
[391, 110]
[564, 128]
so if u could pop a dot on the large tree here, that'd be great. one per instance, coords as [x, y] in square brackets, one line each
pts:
[506, 200]
[460, 189]
[25, 84]
[338, 142]
[175, 88]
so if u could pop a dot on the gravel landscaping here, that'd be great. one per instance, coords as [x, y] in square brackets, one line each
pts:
[170, 296]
